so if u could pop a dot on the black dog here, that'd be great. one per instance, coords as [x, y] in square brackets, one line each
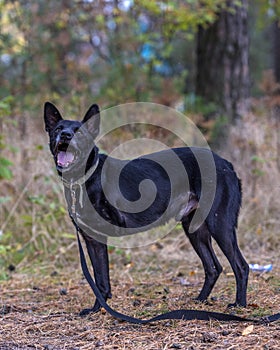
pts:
[81, 167]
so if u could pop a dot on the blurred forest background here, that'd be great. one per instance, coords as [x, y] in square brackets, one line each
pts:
[216, 61]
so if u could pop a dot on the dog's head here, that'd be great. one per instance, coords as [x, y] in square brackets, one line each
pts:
[71, 141]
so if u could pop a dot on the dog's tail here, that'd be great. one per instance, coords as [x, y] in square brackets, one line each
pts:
[235, 194]
[228, 198]
[239, 200]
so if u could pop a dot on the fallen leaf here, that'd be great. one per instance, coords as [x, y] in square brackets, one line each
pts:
[248, 330]
[254, 305]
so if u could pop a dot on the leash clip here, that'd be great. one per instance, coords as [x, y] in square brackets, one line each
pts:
[73, 197]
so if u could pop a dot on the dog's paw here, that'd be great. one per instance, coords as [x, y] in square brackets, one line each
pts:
[96, 308]
[85, 312]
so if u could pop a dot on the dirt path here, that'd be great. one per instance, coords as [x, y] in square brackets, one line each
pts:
[39, 310]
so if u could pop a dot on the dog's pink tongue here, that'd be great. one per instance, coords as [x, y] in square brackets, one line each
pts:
[64, 158]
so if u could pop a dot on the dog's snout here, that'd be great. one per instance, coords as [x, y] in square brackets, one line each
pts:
[66, 134]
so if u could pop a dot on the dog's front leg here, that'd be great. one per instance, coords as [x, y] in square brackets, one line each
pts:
[98, 254]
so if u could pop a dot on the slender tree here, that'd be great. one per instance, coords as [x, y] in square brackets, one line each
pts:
[276, 49]
[222, 59]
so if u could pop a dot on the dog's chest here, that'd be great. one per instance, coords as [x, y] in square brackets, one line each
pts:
[77, 200]
[85, 210]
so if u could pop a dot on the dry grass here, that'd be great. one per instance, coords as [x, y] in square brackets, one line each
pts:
[40, 311]
[254, 149]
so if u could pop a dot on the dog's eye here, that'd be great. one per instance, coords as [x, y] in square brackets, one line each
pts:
[78, 131]
[57, 130]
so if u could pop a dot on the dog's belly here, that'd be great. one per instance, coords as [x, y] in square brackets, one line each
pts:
[106, 223]
[157, 215]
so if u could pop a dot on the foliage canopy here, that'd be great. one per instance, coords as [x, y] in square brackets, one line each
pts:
[83, 48]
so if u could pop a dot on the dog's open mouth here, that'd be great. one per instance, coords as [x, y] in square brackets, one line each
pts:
[65, 155]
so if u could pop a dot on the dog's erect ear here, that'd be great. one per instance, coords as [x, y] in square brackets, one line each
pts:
[51, 116]
[92, 120]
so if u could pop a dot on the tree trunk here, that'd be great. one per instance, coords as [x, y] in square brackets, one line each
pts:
[276, 50]
[222, 60]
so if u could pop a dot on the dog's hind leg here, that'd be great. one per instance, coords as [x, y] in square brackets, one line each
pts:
[226, 238]
[98, 254]
[201, 242]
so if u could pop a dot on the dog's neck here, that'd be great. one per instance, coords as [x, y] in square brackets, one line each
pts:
[82, 180]
[79, 183]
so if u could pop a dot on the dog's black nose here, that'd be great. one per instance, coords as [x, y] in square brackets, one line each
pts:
[66, 134]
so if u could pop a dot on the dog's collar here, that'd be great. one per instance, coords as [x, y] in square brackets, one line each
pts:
[82, 180]
[79, 183]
